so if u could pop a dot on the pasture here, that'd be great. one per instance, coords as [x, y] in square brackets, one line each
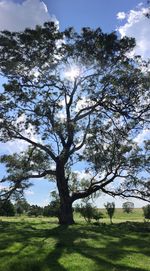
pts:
[40, 244]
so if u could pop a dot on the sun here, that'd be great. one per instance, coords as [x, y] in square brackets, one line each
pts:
[72, 73]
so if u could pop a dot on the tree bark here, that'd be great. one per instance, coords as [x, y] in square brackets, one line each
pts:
[66, 210]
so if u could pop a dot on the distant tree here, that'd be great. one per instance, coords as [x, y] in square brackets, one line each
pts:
[83, 100]
[21, 206]
[35, 210]
[146, 210]
[110, 208]
[47, 210]
[7, 208]
[53, 209]
[128, 207]
[19, 210]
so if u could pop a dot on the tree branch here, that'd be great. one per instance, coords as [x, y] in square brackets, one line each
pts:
[94, 187]
[44, 148]
[17, 182]
[76, 148]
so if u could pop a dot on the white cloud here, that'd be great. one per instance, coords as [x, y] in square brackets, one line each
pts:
[16, 16]
[137, 25]
[83, 174]
[121, 15]
[13, 146]
[145, 134]
[140, 4]
[29, 192]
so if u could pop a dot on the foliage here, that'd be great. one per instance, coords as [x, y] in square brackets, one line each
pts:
[47, 210]
[35, 210]
[146, 211]
[52, 209]
[110, 208]
[73, 98]
[89, 212]
[97, 215]
[21, 206]
[128, 207]
[6, 208]
[86, 211]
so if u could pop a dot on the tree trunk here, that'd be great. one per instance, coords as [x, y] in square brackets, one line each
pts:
[66, 210]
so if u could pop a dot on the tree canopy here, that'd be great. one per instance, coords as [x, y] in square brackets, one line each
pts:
[128, 207]
[74, 98]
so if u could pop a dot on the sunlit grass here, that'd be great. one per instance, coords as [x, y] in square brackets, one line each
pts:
[40, 244]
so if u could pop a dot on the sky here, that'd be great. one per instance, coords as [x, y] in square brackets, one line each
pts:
[124, 16]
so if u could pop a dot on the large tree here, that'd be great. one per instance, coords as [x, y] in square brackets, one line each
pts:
[74, 98]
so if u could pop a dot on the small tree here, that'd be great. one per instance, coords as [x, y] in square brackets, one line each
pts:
[89, 212]
[146, 211]
[97, 215]
[110, 208]
[128, 207]
[86, 211]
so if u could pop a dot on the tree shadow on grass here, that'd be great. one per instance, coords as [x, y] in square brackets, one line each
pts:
[41, 249]
[113, 251]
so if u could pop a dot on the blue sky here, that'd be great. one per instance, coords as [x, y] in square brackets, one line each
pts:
[94, 13]
[109, 15]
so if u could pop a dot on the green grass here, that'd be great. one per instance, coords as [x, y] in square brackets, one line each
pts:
[120, 216]
[40, 244]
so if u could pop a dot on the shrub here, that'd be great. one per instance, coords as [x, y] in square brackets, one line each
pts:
[146, 211]
[89, 212]
[86, 211]
[97, 215]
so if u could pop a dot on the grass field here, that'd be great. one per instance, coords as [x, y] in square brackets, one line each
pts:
[40, 244]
